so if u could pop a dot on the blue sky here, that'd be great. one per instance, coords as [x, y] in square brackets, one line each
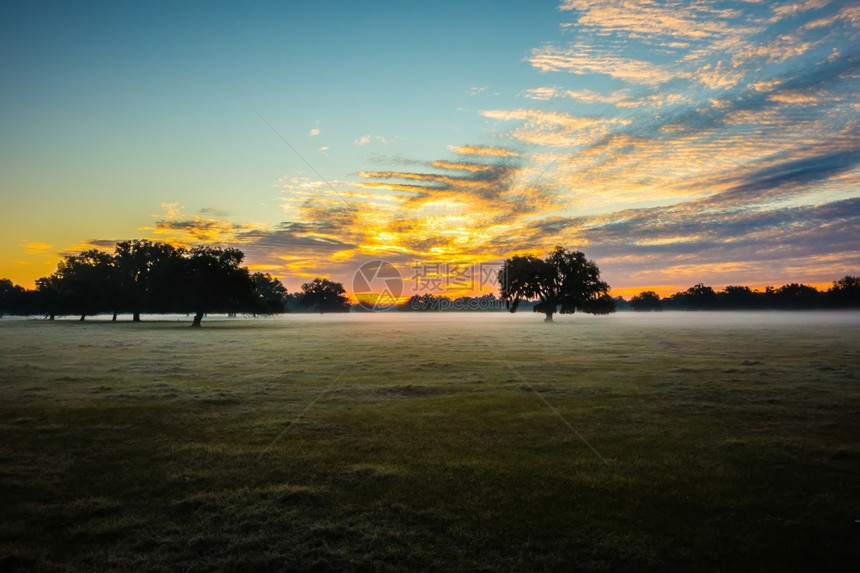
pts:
[674, 142]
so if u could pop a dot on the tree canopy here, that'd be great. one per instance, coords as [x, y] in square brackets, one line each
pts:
[323, 295]
[147, 275]
[564, 282]
[646, 300]
[845, 292]
[213, 281]
[11, 297]
[271, 291]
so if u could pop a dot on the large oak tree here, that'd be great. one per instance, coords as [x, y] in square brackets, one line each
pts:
[324, 295]
[564, 282]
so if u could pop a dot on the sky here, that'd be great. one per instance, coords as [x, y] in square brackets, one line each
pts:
[672, 142]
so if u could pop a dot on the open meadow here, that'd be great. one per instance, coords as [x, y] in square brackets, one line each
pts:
[374, 442]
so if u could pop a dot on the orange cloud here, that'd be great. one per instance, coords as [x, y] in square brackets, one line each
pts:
[36, 248]
[582, 59]
[483, 150]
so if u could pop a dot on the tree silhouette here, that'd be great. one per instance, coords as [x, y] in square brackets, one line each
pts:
[271, 291]
[845, 293]
[697, 297]
[646, 300]
[735, 297]
[564, 282]
[796, 296]
[6, 294]
[85, 284]
[323, 295]
[146, 273]
[12, 298]
[213, 281]
[421, 303]
[47, 299]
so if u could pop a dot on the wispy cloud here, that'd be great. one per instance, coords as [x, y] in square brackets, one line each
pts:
[691, 21]
[556, 129]
[210, 227]
[366, 139]
[36, 247]
[582, 59]
[621, 98]
[483, 150]
[796, 8]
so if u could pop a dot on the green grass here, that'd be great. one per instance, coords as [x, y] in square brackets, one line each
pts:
[363, 443]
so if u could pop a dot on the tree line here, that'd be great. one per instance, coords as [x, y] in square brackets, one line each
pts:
[154, 278]
[151, 277]
[844, 293]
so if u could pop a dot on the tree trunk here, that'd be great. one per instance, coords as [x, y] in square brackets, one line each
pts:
[197, 318]
[548, 317]
[114, 317]
[136, 317]
[51, 317]
[83, 316]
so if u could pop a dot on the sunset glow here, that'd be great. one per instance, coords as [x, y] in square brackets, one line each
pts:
[673, 143]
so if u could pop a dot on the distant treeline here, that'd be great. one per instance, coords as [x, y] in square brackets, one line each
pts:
[432, 303]
[845, 293]
[153, 278]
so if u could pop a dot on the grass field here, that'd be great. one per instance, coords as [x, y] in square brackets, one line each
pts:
[688, 442]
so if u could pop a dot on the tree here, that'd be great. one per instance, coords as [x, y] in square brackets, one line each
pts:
[85, 284]
[47, 298]
[146, 274]
[322, 295]
[796, 296]
[735, 297]
[13, 298]
[646, 300]
[213, 281]
[271, 292]
[700, 297]
[421, 303]
[845, 293]
[564, 282]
